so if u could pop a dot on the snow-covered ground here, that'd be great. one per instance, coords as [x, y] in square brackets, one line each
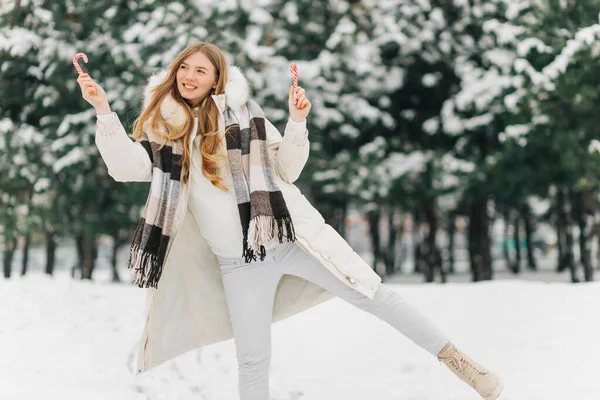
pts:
[72, 340]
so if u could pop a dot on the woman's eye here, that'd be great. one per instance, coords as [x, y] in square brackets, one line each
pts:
[201, 71]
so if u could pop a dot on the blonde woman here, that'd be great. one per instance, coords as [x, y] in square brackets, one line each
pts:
[226, 243]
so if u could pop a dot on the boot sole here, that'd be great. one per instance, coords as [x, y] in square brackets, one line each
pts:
[496, 393]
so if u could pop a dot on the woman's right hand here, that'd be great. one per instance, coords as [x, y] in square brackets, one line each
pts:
[93, 94]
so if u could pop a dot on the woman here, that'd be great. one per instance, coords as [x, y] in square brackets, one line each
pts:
[226, 243]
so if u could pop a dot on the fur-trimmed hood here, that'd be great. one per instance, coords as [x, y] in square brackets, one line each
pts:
[237, 92]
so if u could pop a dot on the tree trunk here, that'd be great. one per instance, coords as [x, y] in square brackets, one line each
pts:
[9, 252]
[416, 236]
[50, 253]
[89, 256]
[598, 254]
[400, 237]
[77, 267]
[342, 217]
[529, 230]
[11, 18]
[431, 253]
[374, 217]
[479, 240]
[570, 255]
[561, 239]
[516, 267]
[585, 251]
[451, 242]
[113, 259]
[25, 259]
[390, 252]
[582, 202]
[506, 241]
[565, 216]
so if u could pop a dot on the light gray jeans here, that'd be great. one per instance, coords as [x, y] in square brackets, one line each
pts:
[250, 292]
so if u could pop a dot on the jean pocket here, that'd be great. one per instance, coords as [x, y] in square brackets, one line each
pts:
[232, 264]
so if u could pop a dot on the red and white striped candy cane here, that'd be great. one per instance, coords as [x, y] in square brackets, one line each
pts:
[76, 63]
[294, 71]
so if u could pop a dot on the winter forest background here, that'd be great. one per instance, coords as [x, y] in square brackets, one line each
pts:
[447, 137]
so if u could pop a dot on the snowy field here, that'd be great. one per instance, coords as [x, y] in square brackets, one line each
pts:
[73, 340]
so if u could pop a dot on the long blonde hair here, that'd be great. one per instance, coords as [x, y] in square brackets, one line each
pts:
[208, 114]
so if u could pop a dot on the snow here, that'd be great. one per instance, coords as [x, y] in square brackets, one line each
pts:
[77, 340]
[515, 7]
[452, 164]
[480, 120]
[401, 164]
[374, 148]
[5, 125]
[517, 132]
[430, 80]
[326, 175]
[69, 121]
[344, 28]
[19, 41]
[350, 131]
[500, 58]
[539, 206]
[290, 13]
[359, 108]
[260, 17]
[74, 156]
[505, 33]
[41, 184]
[524, 47]
[431, 125]
[408, 114]
[594, 146]
[384, 101]
[584, 37]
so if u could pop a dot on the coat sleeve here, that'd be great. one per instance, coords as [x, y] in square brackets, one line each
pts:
[290, 152]
[126, 160]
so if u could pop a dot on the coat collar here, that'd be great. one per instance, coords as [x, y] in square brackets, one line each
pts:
[237, 92]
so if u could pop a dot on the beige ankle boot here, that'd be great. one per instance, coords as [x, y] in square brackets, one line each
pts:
[486, 383]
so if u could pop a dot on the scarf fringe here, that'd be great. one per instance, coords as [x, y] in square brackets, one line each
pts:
[145, 268]
[263, 232]
[250, 254]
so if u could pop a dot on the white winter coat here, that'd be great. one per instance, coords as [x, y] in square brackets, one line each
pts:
[188, 309]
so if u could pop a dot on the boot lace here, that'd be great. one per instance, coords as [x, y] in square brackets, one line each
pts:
[467, 369]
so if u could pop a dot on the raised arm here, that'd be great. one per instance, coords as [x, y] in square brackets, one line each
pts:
[291, 151]
[126, 160]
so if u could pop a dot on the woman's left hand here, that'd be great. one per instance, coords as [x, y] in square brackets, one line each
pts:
[300, 108]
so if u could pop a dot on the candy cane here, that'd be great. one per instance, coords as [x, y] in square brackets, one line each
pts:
[294, 71]
[91, 91]
[76, 63]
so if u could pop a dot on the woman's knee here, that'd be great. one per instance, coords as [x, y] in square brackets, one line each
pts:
[253, 352]
[254, 363]
[385, 298]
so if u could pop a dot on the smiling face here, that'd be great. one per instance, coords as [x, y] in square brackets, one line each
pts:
[196, 76]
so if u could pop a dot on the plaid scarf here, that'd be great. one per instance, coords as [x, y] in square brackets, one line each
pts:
[265, 218]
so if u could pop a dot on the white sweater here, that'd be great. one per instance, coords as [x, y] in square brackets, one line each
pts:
[215, 211]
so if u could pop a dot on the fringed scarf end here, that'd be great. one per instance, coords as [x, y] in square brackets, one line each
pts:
[145, 268]
[265, 230]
